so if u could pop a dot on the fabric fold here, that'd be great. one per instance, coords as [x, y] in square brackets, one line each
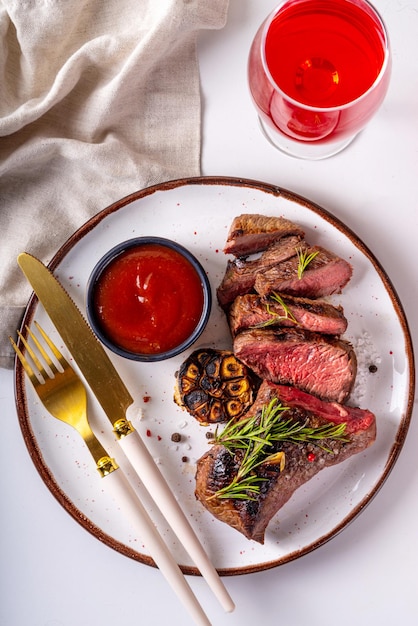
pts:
[97, 100]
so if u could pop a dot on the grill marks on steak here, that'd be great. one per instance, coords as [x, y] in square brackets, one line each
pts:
[251, 310]
[217, 467]
[323, 365]
[325, 275]
[304, 364]
[250, 233]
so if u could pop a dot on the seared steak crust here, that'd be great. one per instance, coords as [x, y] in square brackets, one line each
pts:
[217, 467]
[304, 364]
[323, 365]
[240, 273]
[250, 233]
[251, 310]
[325, 275]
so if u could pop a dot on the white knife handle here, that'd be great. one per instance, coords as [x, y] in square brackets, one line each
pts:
[131, 507]
[150, 475]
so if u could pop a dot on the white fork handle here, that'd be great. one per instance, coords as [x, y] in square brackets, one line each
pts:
[122, 492]
[150, 475]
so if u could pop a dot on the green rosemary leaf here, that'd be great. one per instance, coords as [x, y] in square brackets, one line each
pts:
[243, 489]
[276, 318]
[304, 260]
[253, 437]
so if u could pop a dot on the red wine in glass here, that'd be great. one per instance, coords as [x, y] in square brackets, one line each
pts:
[318, 71]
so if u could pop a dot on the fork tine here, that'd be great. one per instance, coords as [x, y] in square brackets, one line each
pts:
[26, 366]
[43, 352]
[32, 354]
[60, 357]
[64, 396]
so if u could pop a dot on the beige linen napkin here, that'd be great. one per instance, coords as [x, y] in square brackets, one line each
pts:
[98, 98]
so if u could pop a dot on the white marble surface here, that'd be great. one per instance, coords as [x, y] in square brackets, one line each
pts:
[54, 573]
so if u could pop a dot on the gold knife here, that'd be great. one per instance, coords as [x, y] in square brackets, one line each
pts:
[112, 394]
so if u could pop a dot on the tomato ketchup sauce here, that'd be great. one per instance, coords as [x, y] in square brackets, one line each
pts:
[148, 299]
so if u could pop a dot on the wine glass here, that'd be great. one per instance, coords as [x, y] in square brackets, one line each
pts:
[318, 71]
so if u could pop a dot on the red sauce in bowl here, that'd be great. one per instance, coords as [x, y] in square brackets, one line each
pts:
[149, 299]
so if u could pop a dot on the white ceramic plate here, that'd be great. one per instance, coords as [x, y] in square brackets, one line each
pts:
[197, 213]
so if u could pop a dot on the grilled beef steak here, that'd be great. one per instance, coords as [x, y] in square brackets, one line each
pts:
[240, 274]
[322, 365]
[291, 341]
[326, 274]
[252, 310]
[250, 233]
[303, 460]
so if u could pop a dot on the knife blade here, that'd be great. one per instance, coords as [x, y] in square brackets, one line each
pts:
[64, 396]
[115, 399]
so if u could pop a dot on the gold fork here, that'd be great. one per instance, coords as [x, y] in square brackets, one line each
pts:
[64, 396]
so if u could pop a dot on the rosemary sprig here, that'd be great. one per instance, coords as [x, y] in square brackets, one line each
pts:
[240, 488]
[256, 435]
[276, 317]
[304, 260]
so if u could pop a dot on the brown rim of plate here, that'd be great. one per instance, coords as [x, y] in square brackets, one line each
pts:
[21, 401]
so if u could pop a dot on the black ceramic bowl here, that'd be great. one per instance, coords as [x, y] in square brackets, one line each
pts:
[148, 299]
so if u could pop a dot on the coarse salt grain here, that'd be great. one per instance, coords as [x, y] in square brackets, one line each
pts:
[367, 355]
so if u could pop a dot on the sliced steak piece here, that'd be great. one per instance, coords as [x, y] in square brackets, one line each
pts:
[319, 364]
[241, 274]
[250, 233]
[356, 419]
[326, 274]
[252, 311]
[303, 460]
